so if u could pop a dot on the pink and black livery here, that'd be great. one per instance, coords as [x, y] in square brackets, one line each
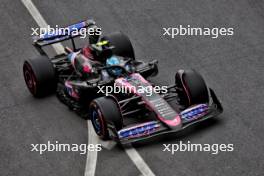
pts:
[76, 75]
[165, 118]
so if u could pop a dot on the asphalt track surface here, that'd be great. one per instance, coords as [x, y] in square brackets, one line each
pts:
[233, 66]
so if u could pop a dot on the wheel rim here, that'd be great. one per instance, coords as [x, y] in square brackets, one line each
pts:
[97, 121]
[30, 78]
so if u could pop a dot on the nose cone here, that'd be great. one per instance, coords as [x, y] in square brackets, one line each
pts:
[174, 123]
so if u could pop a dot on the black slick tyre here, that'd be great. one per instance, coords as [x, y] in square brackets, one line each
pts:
[122, 44]
[104, 111]
[192, 88]
[39, 75]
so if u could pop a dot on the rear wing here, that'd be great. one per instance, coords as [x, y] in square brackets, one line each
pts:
[64, 33]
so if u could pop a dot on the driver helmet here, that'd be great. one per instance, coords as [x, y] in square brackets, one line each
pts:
[102, 50]
[114, 60]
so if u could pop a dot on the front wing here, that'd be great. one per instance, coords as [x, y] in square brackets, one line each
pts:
[154, 128]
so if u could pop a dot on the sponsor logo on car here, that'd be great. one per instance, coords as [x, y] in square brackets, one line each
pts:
[139, 130]
[195, 112]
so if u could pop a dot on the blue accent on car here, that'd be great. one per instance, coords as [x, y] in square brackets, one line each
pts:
[140, 130]
[194, 112]
[69, 56]
[95, 118]
[114, 61]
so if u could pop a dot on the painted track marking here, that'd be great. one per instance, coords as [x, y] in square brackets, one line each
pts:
[41, 22]
[138, 161]
[91, 159]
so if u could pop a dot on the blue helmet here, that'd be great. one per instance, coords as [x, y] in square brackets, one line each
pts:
[114, 61]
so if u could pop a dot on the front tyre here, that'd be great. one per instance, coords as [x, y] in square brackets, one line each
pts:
[104, 111]
[192, 88]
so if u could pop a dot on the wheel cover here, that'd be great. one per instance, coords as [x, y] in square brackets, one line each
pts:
[97, 121]
[30, 78]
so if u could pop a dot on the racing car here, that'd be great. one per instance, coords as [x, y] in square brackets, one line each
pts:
[78, 74]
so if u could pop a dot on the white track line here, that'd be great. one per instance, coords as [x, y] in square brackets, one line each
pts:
[138, 161]
[91, 159]
[133, 155]
[41, 22]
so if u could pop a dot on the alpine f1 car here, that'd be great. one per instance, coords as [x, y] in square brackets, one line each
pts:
[78, 75]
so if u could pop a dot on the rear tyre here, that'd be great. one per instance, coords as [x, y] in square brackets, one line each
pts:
[122, 44]
[193, 89]
[104, 111]
[39, 75]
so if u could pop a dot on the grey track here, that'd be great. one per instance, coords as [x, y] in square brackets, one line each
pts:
[233, 66]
